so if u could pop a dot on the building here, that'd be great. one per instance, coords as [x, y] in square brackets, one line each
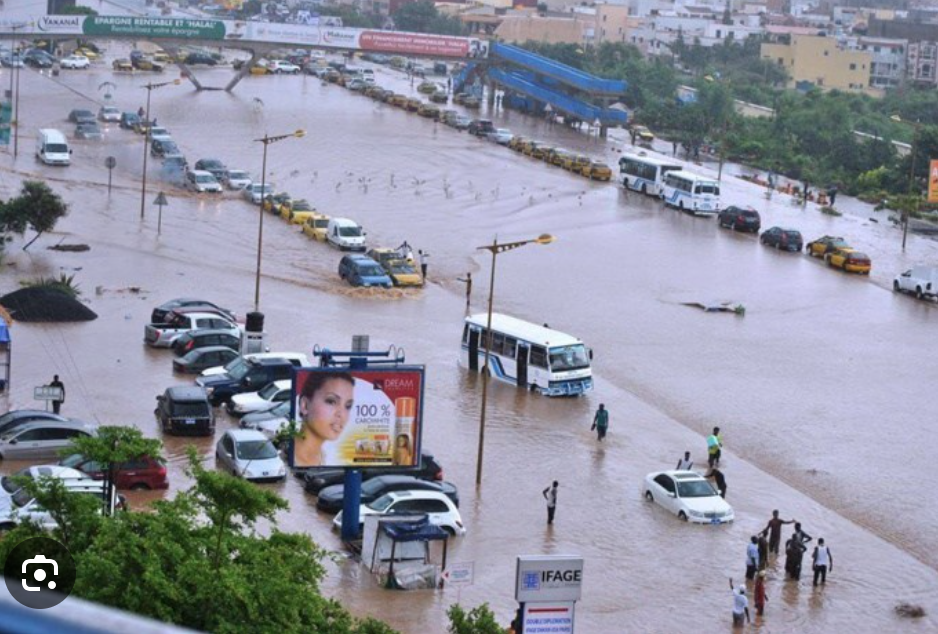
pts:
[519, 28]
[887, 69]
[813, 61]
[922, 63]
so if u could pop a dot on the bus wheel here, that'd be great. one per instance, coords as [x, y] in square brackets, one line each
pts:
[644, 190]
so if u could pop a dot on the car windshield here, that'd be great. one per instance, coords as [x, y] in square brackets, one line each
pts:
[13, 483]
[191, 410]
[381, 504]
[72, 461]
[268, 392]
[237, 175]
[695, 489]
[350, 232]
[204, 178]
[372, 271]
[22, 497]
[569, 358]
[240, 370]
[56, 148]
[255, 450]
[302, 205]
[282, 409]
[402, 269]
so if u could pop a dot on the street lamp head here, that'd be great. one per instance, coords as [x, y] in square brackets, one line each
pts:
[299, 134]
[545, 238]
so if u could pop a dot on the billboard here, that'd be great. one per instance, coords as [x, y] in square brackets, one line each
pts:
[541, 578]
[357, 418]
[933, 181]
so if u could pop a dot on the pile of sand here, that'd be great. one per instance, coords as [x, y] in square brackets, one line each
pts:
[45, 304]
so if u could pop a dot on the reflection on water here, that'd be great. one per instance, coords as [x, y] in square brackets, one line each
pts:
[819, 389]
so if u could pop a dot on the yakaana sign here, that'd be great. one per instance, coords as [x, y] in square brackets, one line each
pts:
[548, 578]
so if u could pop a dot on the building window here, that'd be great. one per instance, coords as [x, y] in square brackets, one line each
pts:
[853, 66]
[826, 52]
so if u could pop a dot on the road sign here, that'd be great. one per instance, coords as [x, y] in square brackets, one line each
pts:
[48, 393]
[554, 617]
[161, 199]
[110, 162]
[459, 574]
[548, 578]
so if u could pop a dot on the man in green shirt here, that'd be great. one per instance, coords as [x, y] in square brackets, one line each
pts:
[601, 422]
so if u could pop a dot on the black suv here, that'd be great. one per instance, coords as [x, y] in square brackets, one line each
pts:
[317, 478]
[187, 342]
[481, 127]
[740, 219]
[162, 147]
[782, 238]
[184, 409]
[250, 377]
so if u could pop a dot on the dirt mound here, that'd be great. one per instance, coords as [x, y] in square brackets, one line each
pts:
[44, 304]
[910, 611]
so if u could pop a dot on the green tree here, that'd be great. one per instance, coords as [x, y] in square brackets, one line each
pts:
[200, 561]
[479, 620]
[37, 208]
[77, 10]
[423, 17]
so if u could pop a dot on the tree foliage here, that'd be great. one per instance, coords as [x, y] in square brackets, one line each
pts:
[37, 207]
[198, 560]
[423, 17]
[478, 620]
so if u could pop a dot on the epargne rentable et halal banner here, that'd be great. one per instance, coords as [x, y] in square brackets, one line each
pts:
[357, 418]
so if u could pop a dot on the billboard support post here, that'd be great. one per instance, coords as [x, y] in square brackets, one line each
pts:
[352, 497]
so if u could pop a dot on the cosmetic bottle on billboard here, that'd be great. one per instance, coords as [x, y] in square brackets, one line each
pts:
[405, 415]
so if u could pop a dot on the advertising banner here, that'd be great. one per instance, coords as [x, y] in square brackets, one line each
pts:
[419, 44]
[933, 181]
[548, 618]
[357, 418]
[548, 578]
[154, 27]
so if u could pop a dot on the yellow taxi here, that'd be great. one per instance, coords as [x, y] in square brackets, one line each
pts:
[88, 52]
[428, 110]
[258, 69]
[824, 245]
[162, 57]
[850, 261]
[517, 143]
[316, 226]
[401, 272]
[542, 152]
[122, 64]
[528, 147]
[274, 202]
[413, 105]
[596, 170]
[643, 134]
[575, 162]
[556, 156]
[398, 100]
[296, 211]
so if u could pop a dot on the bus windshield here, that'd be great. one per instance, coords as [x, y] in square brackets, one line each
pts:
[707, 188]
[569, 358]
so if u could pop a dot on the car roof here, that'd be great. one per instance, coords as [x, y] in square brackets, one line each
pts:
[201, 173]
[394, 478]
[270, 361]
[194, 334]
[683, 476]
[417, 494]
[54, 424]
[186, 393]
[22, 413]
[244, 435]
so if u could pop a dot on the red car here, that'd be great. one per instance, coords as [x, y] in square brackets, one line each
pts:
[142, 474]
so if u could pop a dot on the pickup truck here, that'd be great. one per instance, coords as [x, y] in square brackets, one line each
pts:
[251, 376]
[163, 335]
[921, 281]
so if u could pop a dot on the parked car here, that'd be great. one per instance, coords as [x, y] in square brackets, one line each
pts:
[123, 65]
[317, 479]
[317, 227]
[688, 495]
[594, 170]
[740, 219]
[75, 62]
[249, 402]
[11, 484]
[185, 409]
[360, 270]
[161, 312]
[824, 245]
[920, 280]
[296, 211]
[331, 498]
[80, 115]
[140, 474]
[439, 96]
[272, 203]
[109, 114]
[175, 164]
[502, 136]
[782, 238]
[255, 192]
[189, 341]
[345, 234]
[237, 179]
[849, 260]
[249, 454]
[25, 507]
[38, 58]
[279, 66]
[253, 375]
[163, 147]
[269, 421]
[160, 133]
[41, 440]
[88, 131]
[298, 359]
[162, 335]
[15, 418]
[201, 181]
[200, 58]
[438, 508]
[129, 120]
[199, 359]
[11, 60]
[214, 166]
[480, 127]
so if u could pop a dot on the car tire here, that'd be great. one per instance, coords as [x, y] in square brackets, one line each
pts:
[449, 531]
[649, 496]
[895, 286]
[140, 486]
[918, 292]
[681, 515]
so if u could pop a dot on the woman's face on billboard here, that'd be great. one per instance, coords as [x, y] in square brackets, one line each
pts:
[326, 412]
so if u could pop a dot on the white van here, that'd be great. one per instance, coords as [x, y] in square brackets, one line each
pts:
[922, 281]
[345, 234]
[52, 148]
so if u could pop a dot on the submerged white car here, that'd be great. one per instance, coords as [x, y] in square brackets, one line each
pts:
[438, 508]
[238, 179]
[688, 495]
[249, 454]
[263, 399]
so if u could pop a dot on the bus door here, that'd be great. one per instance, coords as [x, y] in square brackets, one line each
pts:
[522, 365]
[473, 350]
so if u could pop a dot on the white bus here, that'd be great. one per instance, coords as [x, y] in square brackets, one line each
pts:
[527, 355]
[689, 192]
[645, 174]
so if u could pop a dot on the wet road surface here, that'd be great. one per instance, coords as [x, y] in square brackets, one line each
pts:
[822, 390]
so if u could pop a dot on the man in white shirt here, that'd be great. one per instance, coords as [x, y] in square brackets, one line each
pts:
[752, 558]
[823, 561]
[685, 463]
[550, 494]
[740, 605]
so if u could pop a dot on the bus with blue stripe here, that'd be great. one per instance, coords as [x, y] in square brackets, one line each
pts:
[533, 357]
[645, 174]
[691, 192]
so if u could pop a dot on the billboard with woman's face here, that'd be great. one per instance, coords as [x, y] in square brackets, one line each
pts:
[357, 418]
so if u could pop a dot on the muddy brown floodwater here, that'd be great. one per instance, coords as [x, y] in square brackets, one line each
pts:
[824, 390]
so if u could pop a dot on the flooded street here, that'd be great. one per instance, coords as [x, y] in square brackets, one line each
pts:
[824, 390]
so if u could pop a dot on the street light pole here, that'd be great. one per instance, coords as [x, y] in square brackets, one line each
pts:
[495, 248]
[146, 138]
[905, 212]
[15, 115]
[266, 140]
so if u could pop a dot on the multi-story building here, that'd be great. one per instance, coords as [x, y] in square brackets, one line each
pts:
[887, 68]
[922, 63]
[821, 62]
